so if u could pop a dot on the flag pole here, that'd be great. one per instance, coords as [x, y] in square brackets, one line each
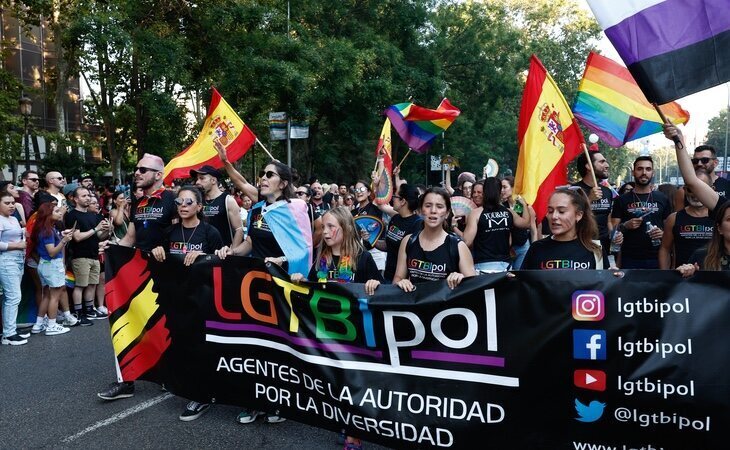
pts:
[264, 148]
[588, 155]
[676, 140]
[404, 157]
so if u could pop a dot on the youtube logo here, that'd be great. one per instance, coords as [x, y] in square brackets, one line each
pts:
[594, 380]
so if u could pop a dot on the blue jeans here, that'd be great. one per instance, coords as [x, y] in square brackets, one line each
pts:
[11, 272]
[491, 266]
[520, 253]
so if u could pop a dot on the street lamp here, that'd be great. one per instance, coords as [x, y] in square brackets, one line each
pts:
[26, 108]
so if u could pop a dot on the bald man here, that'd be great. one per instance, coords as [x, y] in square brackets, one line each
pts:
[55, 182]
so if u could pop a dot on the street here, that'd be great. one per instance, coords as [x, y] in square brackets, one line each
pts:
[48, 400]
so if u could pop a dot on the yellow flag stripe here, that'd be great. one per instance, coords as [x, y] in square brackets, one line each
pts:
[127, 328]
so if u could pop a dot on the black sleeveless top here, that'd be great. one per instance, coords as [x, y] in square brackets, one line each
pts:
[491, 242]
[690, 234]
[217, 214]
[431, 265]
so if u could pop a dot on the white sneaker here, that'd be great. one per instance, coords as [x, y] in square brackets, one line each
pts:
[103, 310]
[56, 329]
[69, 320]
[38, 328]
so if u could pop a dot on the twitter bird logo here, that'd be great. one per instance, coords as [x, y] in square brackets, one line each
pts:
[590, 412]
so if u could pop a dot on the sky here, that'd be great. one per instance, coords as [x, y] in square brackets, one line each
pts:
[702, 106]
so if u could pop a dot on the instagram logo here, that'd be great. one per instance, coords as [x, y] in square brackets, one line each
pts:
[588, 305]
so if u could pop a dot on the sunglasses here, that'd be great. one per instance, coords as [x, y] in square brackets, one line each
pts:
[301, 193]
[361, 189]
[703, 160]
[33, 179]
[185, 201]
[144, 170]
[268, 174]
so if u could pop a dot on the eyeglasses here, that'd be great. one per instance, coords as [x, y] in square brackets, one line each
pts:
[144, 170]
[397, 197]
[703, 160]
[57, 178]
[268, 174]
[301, 193]
[361, 189]
[185, 201]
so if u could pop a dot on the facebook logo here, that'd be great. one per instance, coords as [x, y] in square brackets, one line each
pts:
[589, 344]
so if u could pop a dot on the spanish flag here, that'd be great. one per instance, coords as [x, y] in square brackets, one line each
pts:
[548, 137]
[223, 125]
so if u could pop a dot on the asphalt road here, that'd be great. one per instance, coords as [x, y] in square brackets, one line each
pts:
[48, 400]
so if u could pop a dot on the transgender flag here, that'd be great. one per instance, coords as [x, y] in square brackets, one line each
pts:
[673, 48]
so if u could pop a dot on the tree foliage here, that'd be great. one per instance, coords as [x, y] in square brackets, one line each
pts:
[336, 64]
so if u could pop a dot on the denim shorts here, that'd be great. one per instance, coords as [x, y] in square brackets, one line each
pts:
[52, 273]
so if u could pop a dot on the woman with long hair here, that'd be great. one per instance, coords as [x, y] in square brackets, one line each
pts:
[404, 220]
[521, 237]
[573, 227]
[12, 260]
[268, 234]
[6, 187]
[119, 215]
[716, 255]
[489, 227]
[50, 245]
[433, 253]
[364, 207]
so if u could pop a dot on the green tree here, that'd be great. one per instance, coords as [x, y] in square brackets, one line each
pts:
[717, 132]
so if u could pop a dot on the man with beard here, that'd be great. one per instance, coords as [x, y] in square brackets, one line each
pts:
[89, 229]
[219, 208]
[151, 215]
[600, 196]
[705, 160]
[55, 182]
[320, 206]
[687, 230]
[631, 214]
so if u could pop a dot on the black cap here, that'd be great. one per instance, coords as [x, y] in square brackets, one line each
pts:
[206, 170]
[84, 176]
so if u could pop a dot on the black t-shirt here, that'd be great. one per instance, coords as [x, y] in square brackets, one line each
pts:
[263, 242]
[321, 208]
[637, 243]
[365, 270]
[713, 212]
[368, 210]
[690, 233]
[491, 242]
[601, 208]
[549, 254]
[151, 217]
[431, 265]
[85, 221]
[216, 213]
[398, 228]
[519, 235]
[700, 254]
[722, 186]
[203, 238]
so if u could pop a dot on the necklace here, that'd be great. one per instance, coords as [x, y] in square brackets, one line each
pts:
[643, 205]
[185, 243]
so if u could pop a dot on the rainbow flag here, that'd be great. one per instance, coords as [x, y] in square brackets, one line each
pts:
[548, 137]
[611, 104]
[223, 125]
[419, 126]
[383, 155]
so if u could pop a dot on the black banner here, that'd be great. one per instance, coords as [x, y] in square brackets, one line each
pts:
[544, 359]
